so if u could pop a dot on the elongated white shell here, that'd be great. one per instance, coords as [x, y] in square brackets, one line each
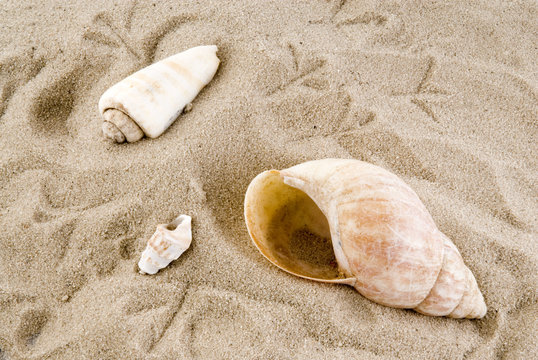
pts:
[166, 245]
[155, 96]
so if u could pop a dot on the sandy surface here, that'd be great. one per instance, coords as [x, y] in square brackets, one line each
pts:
[445, 96]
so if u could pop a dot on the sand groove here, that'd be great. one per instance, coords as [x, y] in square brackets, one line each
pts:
[302, 65]
[15, 71]
[365, 19]
[106, 30]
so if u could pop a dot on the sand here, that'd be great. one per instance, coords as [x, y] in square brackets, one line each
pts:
[442, 94]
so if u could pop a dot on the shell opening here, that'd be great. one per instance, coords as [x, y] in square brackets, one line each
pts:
[289, 229]
[177, 221]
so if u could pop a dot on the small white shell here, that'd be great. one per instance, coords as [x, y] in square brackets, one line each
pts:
[166, 245]
[148, 101]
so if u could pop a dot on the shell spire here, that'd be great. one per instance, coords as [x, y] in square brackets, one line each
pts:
[384, 241]
[166, 245]
[148, 101]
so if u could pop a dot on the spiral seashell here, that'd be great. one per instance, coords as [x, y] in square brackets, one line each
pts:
[148, 101]
[381, 238]
[166, 245]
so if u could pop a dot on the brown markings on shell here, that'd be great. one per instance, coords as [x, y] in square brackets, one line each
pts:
[382, 241]
[155, 85]
[150, 261]
[143, 83]
[158, 242]
[185, 72]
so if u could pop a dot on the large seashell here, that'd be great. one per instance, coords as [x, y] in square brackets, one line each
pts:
[148, 101]
[166, 245]
[384, 241]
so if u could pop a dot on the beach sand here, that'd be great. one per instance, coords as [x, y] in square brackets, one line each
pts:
[442, 94]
